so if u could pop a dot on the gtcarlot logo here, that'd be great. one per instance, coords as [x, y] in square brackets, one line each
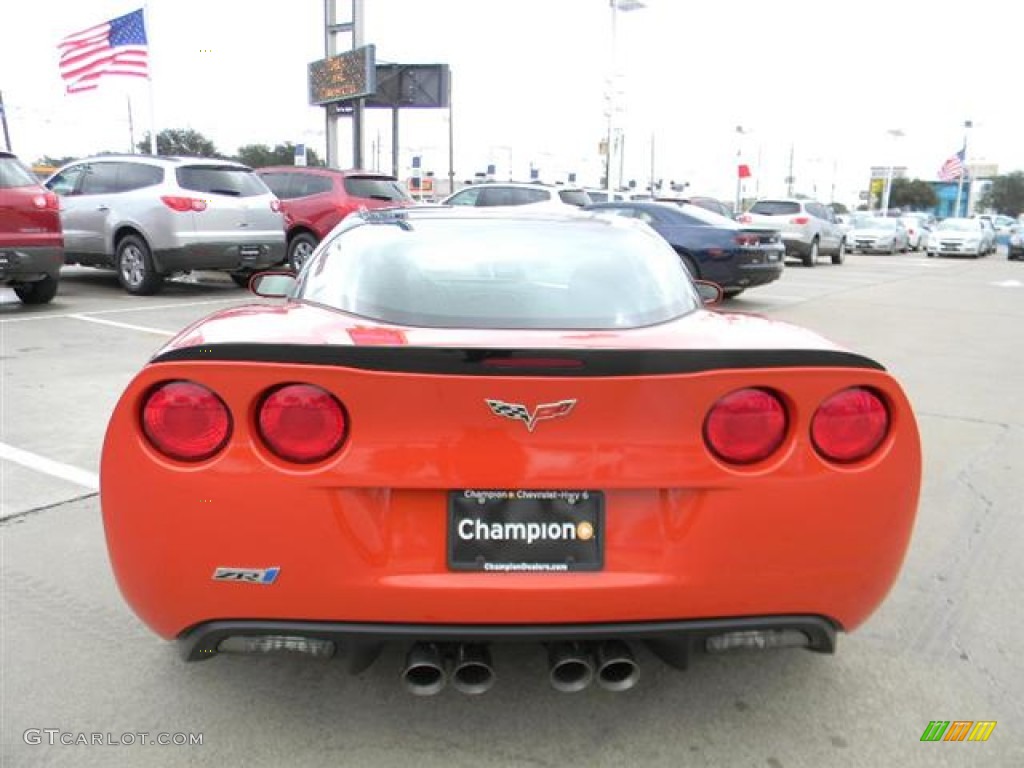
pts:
[56, 737]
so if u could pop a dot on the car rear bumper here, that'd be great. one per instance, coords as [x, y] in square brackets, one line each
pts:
[796, 243]
[224, 255]
[683, 637]
[31, 263]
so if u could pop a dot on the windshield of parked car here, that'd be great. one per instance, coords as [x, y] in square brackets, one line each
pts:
[592, 273]
[376, 188]
[221, 180]
[14, 174]
[775, 207]
[961, 225]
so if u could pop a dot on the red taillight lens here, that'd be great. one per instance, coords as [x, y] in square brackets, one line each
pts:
[745, 426]
[275, 206]
[185, 421]
[850, 425]
[46, 202]
[302, 423]
[746, 218]
[801, 220]
[747, 240]
[184, 204]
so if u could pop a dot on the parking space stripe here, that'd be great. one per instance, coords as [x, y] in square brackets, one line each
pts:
[144, 308]
[50, 467]
[128, 326]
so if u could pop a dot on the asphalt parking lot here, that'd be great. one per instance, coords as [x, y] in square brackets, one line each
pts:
[942, 647]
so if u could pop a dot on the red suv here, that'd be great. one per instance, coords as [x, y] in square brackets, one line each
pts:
[31, 238]
[314, 200]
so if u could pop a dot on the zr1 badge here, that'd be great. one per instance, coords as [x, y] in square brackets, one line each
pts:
[247, 575]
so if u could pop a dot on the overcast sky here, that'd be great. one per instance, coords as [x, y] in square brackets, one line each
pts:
[829, 80]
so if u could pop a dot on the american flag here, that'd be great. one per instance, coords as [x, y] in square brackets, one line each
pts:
[115, 47]
[953, 168]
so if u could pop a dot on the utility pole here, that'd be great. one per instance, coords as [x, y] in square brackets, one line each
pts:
[331, 29]
[790, 179]
[3, 119]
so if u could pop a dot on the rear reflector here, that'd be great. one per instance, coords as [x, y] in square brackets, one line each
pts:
[745, 426]
[302, 423]
[757, 640]
[185, 421]
[276, 644]
[183, 204]
[850, 425]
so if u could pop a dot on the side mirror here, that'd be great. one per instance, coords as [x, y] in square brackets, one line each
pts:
[273, 285]
[710, 293]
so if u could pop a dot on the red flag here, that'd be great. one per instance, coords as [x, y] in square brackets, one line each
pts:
[744, 171]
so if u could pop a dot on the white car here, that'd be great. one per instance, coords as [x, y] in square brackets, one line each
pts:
[961, 237]
[808, 228]
[878, 234]
[504, 194]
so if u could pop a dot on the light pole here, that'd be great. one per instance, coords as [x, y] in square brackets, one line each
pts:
[616, 6]
[896, 133]
[739, 168]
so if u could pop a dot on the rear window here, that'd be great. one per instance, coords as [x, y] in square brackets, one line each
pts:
[14, 174]
[375, 188]
[220, 180]
[775, 208]
[574, 197]
[466, 273]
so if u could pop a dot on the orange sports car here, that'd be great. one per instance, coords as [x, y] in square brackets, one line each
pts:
[465, 428]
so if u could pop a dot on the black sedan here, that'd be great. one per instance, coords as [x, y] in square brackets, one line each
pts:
[712, 247]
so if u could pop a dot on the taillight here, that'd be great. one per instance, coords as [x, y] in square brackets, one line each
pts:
[183, 204]
[47, 201]
[275, 205]
[302, 423]
[745, 426]
[185, 420]
[746, 218]
[801, 220]
[850, 425]
[747, 240]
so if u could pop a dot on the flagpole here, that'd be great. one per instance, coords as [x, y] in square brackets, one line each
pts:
[963, 170]
[131, 125]
[146, 14]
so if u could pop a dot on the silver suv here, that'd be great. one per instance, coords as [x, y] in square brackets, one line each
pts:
[149, 217]
[809, 228]
[491, 194]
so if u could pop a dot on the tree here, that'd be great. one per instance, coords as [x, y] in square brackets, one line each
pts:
[184, 142]
[55, 162]
[914, 194]
[1005, 195]
[261, 155]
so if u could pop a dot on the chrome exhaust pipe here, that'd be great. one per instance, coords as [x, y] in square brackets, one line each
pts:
[570, 667]
[617, 669]
[473, 673]
[424, 672]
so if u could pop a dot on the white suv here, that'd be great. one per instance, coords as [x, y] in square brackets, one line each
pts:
[808, 228]
[491, 194]
[149, 217]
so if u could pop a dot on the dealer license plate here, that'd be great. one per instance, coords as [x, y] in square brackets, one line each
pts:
[530, 531]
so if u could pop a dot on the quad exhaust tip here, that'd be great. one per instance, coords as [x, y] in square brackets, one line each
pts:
[473, 672]
[424, 673]
[570, 667]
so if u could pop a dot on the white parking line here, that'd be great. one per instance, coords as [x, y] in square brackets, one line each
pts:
[65, 315]
[50, 467]
[129, 326]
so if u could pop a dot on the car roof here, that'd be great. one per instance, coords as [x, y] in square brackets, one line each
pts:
[161, 160]
[320, 170]
[526, 185]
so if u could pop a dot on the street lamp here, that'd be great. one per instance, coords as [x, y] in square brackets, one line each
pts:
[896, 133]
[616, 6]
